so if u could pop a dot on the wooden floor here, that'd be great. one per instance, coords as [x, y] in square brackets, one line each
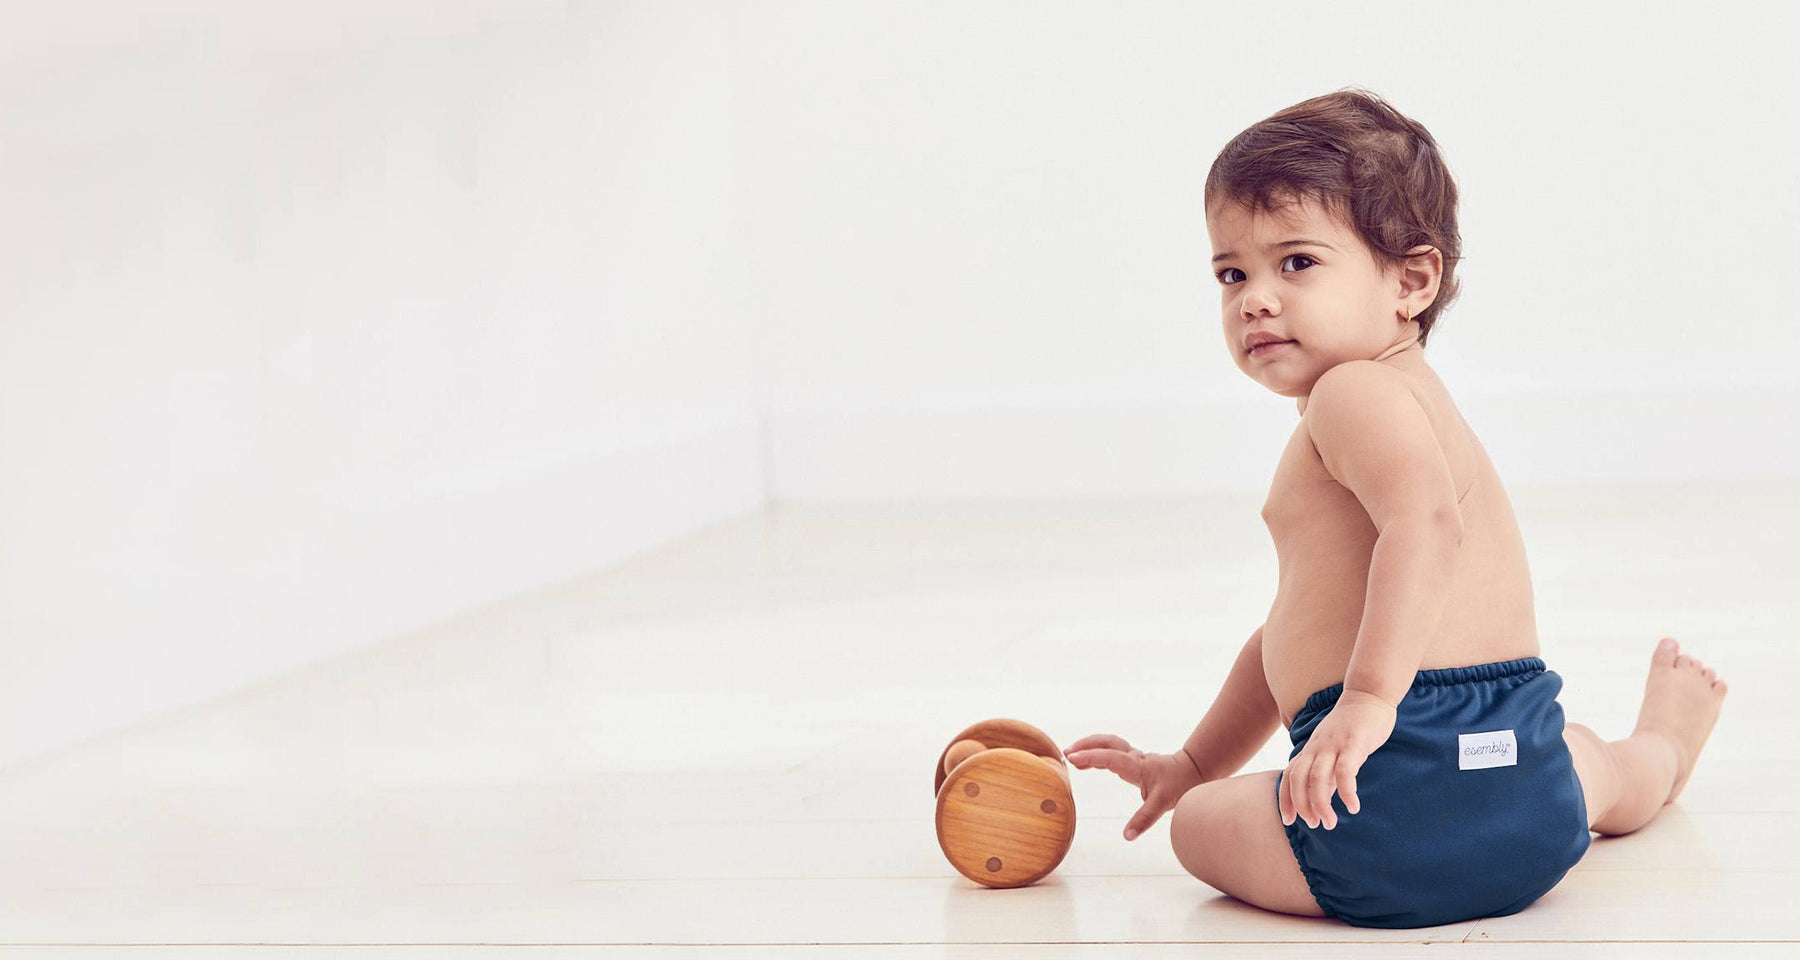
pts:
[724, 749]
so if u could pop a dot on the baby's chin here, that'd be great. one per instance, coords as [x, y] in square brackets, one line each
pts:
[1280, 386]
[1287, 378]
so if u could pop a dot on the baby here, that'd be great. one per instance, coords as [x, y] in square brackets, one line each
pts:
[1432, 778]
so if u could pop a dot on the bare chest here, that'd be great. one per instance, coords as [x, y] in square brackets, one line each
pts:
[1324, 541]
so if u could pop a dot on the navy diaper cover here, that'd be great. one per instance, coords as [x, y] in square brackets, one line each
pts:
[1471, 808]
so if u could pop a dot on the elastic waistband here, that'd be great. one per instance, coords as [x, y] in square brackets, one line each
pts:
[1440, 677]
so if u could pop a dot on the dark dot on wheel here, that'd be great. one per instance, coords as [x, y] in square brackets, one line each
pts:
[971, 789]
[993, 864]
[1048, 806]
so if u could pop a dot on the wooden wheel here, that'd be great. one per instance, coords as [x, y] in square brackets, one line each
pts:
[1005, 813]
[1001, 733]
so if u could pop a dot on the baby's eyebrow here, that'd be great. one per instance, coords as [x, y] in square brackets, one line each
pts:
[1277, 246]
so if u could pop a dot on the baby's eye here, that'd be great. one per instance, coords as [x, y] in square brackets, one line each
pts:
[1221, 274]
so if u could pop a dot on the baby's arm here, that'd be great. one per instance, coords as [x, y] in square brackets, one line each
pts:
[1374, 438]
[1240, 721]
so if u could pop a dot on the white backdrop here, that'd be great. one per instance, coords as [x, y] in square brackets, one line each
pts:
[321, 325]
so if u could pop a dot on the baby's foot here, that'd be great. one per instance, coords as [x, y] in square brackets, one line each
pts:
[1681, 703]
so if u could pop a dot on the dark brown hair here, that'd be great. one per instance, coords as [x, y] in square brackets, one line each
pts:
[1365, 163]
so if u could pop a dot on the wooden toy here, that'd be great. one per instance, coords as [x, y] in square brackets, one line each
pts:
[1005, 814]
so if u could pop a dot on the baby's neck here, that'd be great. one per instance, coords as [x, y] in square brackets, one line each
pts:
[1408, 351]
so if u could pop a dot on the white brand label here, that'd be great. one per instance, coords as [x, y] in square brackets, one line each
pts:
[1478, 751]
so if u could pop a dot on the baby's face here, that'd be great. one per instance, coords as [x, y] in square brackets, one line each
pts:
[1327, 295]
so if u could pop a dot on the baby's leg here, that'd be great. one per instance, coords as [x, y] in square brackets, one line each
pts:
[1627, 782]
[1228, 833]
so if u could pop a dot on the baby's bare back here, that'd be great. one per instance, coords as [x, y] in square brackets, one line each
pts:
[1324, 540]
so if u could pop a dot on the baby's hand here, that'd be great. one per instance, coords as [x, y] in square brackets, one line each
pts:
[1161, 779]
[1358, 724]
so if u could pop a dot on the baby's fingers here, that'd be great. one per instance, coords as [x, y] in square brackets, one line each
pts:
[1347, 784]
[1282, 806]
[1127, 766]
[1324, 781]
[1291, 792]
[1096, 757]
[1099, 740]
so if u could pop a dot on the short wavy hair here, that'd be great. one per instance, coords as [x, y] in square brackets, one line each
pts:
[1366, 163]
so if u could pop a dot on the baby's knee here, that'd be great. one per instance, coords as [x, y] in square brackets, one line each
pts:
[1187, 830]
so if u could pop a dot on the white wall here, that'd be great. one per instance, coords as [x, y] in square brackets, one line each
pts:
[309, 339]
[980, 238]
[326, 323]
